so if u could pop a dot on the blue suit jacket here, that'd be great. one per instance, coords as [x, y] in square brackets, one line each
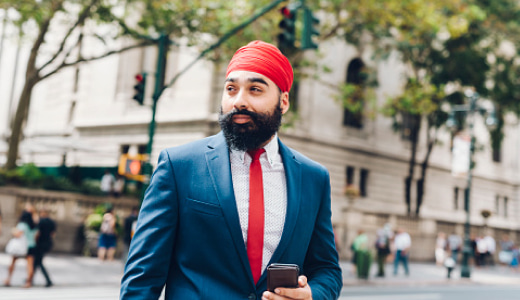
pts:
[188, 235]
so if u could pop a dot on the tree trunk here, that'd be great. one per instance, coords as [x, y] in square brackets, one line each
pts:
[414, 126]
[497, 135]
[420, 182]
[18, 123]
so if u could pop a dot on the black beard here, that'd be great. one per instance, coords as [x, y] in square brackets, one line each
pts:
[253, 134]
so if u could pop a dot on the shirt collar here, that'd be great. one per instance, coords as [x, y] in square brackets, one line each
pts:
[271, 150]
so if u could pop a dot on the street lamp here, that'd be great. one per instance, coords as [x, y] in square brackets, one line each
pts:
[491, 122]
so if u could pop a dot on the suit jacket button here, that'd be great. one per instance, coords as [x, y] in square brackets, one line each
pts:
[252, 296]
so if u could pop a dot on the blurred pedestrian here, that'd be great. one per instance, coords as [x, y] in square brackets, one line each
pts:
[27, 228]
[130, 224]
[491, 246]
[44, 243]
[119, 185]
[473, 246]
[515, 258]
[505, 256]
[363, 257]
[382, 249]
[107, 237]
[454, 245]
[482, 250]
[107, 183]
[402, 242]
[440, 248]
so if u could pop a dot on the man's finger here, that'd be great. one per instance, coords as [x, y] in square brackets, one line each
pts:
[302, 281]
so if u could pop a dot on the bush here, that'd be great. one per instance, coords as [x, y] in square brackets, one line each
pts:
[93, 222]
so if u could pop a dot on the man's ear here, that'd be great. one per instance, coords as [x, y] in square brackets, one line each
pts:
[284, 102]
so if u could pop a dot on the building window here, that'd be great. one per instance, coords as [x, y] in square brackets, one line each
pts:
[354, 76]
[456, 198]
[497, 204]
[124, 149]
[505, 206]
[141, 149]
[497, 157]
[350, 175]
[363, 178]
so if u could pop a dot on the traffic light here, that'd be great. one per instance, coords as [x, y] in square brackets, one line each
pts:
[309, 29]
[132, 166]
[139, 88]
[287, 37]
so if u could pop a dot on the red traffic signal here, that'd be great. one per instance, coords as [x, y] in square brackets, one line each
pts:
[139, 88]
[286, 12]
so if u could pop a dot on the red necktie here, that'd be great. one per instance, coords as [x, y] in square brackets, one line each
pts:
[255, 228]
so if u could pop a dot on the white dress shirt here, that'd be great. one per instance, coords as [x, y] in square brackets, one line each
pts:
[275, 194]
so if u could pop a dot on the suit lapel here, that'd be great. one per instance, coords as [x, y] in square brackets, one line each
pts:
[217, 160]
[293, 180]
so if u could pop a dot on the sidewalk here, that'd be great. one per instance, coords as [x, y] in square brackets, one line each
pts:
[66, 270]
[423, 274]
[70, 271]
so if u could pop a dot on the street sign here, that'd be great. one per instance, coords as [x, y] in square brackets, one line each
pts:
[460, 155]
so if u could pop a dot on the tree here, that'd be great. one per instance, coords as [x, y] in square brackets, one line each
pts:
[196, 21]
[412, 30]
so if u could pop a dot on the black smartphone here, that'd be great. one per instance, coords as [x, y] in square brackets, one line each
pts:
[282, 275]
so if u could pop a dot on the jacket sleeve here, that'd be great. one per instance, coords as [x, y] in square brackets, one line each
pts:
[151, 249]
[321, 262]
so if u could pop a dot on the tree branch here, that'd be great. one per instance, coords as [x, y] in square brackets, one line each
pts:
[81, 20]
[83, 60]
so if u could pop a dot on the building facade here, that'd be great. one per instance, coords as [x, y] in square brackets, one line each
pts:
[85, 116]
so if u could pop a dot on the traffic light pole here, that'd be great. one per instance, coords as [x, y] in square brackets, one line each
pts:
[163, 42]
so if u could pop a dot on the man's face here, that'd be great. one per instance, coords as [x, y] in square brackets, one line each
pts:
[251, 110]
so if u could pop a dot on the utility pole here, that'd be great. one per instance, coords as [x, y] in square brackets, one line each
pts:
[163, 43]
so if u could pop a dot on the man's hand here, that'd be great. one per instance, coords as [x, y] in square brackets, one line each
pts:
[303, 292]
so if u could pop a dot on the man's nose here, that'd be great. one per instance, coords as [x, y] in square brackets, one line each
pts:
[240, 101]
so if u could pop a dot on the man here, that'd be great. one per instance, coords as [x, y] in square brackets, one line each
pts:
[130, 223]
[454, 244]
[402, 243]
[107, 183]
[215, 216]
[47, 230]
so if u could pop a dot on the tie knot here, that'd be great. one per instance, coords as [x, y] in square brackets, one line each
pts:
[255, 154]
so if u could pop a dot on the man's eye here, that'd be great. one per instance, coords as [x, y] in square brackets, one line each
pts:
[230, 88]
[256, 89]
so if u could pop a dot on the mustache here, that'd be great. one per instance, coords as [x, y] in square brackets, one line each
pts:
[235, 112]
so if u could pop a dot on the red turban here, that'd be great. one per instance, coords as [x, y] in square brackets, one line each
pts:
[263, 58]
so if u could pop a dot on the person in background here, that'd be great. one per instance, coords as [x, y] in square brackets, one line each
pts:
[383, 249]
[402, 242]
[107, 236]
[119, 185]
[27, 227]
[363, 259]
[440, 248]
[491, 246]
[130, 224]
[505, 256]
[107, 183]
[44, 242]
[454, 245]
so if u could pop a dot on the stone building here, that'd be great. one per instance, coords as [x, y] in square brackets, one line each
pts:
[85, 116]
